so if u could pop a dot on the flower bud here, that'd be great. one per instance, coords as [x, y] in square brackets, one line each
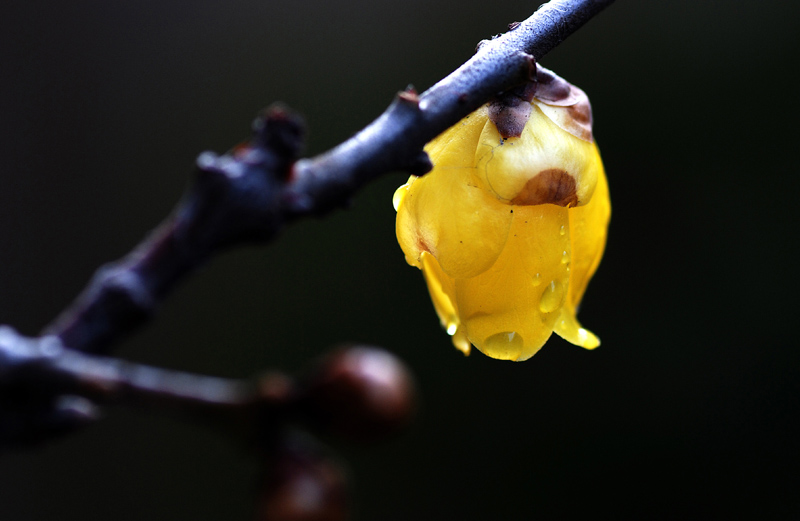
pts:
[511, 223]
[364, 393]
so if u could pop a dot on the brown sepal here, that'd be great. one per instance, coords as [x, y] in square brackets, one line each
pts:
[553, 90]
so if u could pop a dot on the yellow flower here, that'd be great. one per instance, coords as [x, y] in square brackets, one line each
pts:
[508, 231]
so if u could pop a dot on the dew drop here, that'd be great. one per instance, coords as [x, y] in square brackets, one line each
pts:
[537, 279]
[563, 230]
[452, 327]
[506, 345]
[565, 258]
[552, 297]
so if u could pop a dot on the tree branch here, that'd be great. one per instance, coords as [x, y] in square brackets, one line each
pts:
[52, 384]
[250, 193]
[245, 195]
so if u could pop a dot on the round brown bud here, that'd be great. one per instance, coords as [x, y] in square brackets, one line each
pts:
[365, 393]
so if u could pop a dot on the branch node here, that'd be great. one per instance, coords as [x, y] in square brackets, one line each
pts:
[409, 96]
[281, 131]
[406, 103]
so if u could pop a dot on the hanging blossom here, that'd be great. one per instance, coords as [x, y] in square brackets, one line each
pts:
[511, 223]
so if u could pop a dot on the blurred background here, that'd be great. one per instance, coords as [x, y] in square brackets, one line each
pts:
[687, 410]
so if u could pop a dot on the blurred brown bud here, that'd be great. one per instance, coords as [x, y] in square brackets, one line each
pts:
[365, 393]
[301, 483]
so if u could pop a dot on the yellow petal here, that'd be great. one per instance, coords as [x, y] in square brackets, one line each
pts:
[589, 225]
[509, 311]
[441, 288]
[447, 214]
[455, 147]
[568, 328]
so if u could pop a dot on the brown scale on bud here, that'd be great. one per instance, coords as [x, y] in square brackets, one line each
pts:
[509, 114]
[511, 110]
[361, 392]
[552, 89]
[553, 186]
[550, 86]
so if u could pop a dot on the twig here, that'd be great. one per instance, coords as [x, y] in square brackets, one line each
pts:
[47, 389]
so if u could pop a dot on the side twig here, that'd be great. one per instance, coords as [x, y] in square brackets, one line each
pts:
[357, 391]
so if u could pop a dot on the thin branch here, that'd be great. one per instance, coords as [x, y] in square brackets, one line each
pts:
[48, 388]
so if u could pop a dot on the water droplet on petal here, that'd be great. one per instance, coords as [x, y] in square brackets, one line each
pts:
[563, 230]
[552, 297]
[452, 327]
[564, 258]
[506, 345]
[537, 279]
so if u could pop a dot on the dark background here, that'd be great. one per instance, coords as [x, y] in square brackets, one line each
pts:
[687, 410]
